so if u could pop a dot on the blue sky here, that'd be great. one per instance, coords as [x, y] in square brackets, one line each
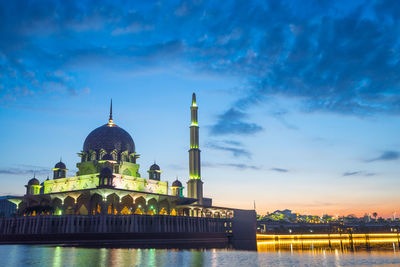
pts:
[298, 102]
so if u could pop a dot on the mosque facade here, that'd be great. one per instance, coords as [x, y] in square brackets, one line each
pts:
[108, 181]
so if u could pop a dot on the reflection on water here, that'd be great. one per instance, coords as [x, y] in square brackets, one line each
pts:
[281, 252]
[336, 243]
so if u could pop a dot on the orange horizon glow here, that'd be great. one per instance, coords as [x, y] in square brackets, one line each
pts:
[337, 211]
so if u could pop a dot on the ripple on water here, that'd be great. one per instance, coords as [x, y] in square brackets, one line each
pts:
[20, 255]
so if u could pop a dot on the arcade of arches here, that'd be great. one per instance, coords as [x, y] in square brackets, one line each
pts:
[88, 203]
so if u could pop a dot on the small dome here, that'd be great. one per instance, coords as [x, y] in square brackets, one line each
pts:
[33, 181]
[177, 183]
[107, 157]
[154, 167]
[60, 165]
[106, 172]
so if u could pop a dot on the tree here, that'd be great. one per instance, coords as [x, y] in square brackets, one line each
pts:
[375, 214]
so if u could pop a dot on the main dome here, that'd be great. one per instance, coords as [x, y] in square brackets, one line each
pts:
[109, 137]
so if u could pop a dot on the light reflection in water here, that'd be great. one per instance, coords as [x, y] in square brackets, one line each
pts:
[214, 258]
[151, 258]
[322, 245]
[103, 257]
[197, 258]
[287, 253]
[138, 257]
[57, 260]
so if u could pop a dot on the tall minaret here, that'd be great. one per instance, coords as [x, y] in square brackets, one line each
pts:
[195, 185]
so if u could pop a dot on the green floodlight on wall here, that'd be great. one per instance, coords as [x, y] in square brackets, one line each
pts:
[58, 211]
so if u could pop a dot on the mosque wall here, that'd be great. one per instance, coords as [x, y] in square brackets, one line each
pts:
[71, 183]
[140, 184]
[92, 181]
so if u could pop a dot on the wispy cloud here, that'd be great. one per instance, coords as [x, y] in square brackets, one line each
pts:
[280, 117]
[27, 170]
[240, 166]
[279, 170]
[358, 173]
[386, 156]
[234, 147]
[233, 142]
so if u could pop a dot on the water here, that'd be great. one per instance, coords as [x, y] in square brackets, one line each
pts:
[268, 255]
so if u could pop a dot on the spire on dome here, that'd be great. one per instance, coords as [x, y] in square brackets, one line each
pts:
[111, 110]
[110, 120]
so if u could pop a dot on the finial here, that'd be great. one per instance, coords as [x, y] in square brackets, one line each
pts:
[194, 100]
[34, 174]
[110, 120]
[60, 159]
[111, 110]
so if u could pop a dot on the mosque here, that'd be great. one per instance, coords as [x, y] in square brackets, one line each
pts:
[108, 182]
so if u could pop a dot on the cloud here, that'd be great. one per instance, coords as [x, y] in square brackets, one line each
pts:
[133, 23]
[232, 122]
[386, 156]
[237, 149]
[241, 166]
[333, 57]
[280, 117]
[232, 142]
[343, 63]
[358, 173]
[279, 170]
[26, 170]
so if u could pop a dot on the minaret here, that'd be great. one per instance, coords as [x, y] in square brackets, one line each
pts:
[195, 185]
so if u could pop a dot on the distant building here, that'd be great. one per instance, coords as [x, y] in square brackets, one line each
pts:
[7, 208]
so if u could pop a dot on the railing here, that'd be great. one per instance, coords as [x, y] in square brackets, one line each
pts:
[112, 224]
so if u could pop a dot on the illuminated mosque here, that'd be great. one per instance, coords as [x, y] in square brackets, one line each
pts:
[108, 181]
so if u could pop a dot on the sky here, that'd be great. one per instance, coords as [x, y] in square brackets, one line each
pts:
[299, 101]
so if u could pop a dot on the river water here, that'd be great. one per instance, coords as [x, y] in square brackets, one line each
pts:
[386, 254]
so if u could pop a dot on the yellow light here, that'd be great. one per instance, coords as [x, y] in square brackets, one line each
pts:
[374, 236]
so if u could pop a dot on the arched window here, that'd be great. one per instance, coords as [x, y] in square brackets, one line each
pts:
[125, 211]
[112, 209]
[127, 172]
[138, 211]
[163, 212]
[102, 153]
[114, 155]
